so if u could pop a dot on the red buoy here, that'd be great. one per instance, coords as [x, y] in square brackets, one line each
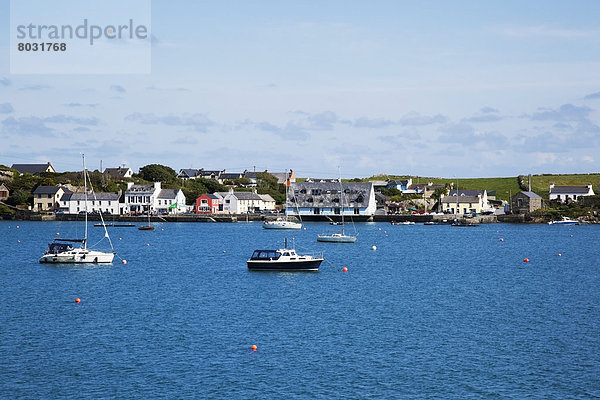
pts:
[77, 300]
[254, 347]
[501, 239]
[526, 260]
[345, 269]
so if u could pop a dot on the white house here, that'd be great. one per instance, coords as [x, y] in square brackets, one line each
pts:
[469, 202]
[564, 193]
[118, 173]
[331, 198]
[153, 198]
[106, 203]
[244, 202]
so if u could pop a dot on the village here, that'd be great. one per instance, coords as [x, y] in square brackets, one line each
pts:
[316, 199]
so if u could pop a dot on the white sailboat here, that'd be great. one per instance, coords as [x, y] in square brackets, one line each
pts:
[61, 251]
[283, 223]
[339, 237]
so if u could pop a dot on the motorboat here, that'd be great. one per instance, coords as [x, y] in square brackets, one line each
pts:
[564, 221]
[283, 260]
[336, 238]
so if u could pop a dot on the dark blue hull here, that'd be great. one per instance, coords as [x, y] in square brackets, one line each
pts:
[309, 265]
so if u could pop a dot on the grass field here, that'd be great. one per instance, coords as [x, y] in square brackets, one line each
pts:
[507, 186]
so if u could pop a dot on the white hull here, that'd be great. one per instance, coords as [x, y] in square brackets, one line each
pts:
[336, 238]
[78, 256]
[282, 225]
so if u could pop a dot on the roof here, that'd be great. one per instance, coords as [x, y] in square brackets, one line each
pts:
[570, 189]
[327, 194]
[231, 175]
[246, 196]
[531, 195]
[322, 180]
[189, 172]
[31, 168]
[141, 189]
[266, 197]
[462, 192]
[461, 199]
[168, 194]
[398, 182]
[48, 189]
[112, 196]
[120, 171]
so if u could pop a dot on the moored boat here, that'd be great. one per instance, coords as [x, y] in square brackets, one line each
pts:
[283, 260]
[564, 221]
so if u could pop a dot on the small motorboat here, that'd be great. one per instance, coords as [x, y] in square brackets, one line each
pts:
[283, 260]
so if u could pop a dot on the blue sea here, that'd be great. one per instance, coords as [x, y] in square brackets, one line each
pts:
[434, 312]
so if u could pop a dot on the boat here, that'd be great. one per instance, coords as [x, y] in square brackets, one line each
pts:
[339, 237]
[402, 223]
[147, 227]
[283, 260]
[62, 251]
[564, 221]
[283, 223]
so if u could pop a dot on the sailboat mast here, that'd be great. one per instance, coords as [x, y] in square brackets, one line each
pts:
[85, 203]
[341, 198]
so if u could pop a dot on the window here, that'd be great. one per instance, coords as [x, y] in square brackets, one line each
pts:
[316, 210]
[336, 210]
[357, 211]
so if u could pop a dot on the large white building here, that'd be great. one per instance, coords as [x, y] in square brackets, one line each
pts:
[564, 194]
[139, 199]
[106, 203]
[331, 199]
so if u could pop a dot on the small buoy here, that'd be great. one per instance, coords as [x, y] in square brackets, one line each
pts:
[373, 247]
[120, 238]
[379, 228]
[345, 269]
[18, 241]
[77, 300]
[123, 261]
[304, 228]
[526, 260]
[57, 233]
[501, 239]
[162, 229]
[559, 254]
[254, 347]
[224, 251]
[18, 228]
[147, 244]
[384, 231]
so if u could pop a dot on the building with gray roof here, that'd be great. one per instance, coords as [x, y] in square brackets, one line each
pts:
[318, 200]
[564, 194]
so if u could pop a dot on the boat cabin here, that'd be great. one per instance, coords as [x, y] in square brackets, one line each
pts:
[55, 248]
[272, 254]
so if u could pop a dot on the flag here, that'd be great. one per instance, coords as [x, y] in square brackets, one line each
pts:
[172, 206]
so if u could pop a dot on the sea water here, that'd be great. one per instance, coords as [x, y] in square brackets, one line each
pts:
[433, 312]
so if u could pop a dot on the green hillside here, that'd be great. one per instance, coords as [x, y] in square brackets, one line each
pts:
[506, 186]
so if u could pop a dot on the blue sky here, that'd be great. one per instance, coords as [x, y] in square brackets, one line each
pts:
[437, 88]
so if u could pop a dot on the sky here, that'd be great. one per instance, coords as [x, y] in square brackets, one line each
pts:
[435, 88]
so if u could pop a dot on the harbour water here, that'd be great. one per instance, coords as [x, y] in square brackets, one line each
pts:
[433, 312]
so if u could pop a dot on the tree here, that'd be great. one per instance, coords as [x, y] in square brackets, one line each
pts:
[439, 193]
[158, 173]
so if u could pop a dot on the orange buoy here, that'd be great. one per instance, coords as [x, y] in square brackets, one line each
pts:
[254, 347]
[77, 300]
[345, 269]
[526, 260]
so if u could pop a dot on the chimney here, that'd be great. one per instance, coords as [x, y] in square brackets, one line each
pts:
[529, 190]
[129, 185]
[157, 185]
